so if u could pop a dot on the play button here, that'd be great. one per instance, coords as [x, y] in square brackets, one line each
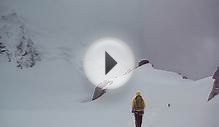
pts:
[109, 63]
[108, 59]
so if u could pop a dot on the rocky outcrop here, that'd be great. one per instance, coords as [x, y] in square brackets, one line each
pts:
[16, 43]
[4, 51]
[215, 89]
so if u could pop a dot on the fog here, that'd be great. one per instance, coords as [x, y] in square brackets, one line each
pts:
[175, 35]
[182, 35]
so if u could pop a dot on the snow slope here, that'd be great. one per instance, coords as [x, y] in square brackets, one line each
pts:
[49, 95]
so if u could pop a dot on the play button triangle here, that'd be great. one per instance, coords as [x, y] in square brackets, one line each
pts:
[109, 62]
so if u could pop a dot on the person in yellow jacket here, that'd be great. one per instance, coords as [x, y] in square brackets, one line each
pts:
[138, 106]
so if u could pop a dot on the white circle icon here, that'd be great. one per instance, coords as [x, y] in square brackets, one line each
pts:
[108, 59]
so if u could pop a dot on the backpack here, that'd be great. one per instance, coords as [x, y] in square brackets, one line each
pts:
[139, 103]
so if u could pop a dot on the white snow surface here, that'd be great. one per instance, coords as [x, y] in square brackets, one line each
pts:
[50, 94]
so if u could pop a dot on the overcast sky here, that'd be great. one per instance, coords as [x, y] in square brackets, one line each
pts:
[182, 35]
[176, 35]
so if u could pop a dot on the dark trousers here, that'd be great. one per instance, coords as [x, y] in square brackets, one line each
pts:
[138, 119]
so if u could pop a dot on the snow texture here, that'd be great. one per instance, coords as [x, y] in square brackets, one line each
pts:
[49, 94]
[15, 42]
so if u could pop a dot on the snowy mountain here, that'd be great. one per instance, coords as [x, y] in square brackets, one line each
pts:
[49, 92]
[15, 42]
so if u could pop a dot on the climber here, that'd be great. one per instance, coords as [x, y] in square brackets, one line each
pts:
[138, 106]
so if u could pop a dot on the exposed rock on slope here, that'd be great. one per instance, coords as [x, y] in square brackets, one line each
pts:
[16, 43]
